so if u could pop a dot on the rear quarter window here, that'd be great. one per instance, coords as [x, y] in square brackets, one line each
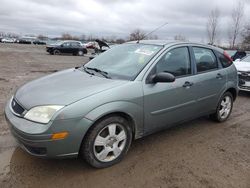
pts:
[224, 59]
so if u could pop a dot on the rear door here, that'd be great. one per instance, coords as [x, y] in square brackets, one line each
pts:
[169, 103]
[65, 47]
[210, 79]
[75, 46]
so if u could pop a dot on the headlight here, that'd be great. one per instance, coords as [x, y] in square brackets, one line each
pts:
[42, 114]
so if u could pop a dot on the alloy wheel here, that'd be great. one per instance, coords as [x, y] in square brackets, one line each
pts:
[225, 107]
[110, 142]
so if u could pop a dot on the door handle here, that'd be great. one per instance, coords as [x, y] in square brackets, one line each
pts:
[219, 76]
[188, 84]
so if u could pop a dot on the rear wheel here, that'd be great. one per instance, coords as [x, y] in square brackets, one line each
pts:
[80, 53]
[224, 108]
[107, 142]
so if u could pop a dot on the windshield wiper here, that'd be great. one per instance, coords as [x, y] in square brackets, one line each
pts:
[103, 73]
[85, 69]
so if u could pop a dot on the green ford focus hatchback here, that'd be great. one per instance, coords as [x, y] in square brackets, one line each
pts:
[132, 90]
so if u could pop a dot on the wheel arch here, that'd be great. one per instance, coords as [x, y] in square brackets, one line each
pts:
[133, 113]
[233, 91]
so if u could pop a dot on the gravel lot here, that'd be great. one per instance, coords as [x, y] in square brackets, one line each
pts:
[200, 153]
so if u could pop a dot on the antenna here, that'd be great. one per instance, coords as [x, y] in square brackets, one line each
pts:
[152, 31]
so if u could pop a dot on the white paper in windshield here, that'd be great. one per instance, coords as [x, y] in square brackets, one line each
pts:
[144, 52]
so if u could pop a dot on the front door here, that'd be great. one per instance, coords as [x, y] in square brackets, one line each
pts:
[168, 103]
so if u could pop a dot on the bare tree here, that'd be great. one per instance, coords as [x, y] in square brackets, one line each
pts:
[42, 37]
[137, 35]
[152, 37]
[246, 37]
[212, 25]
[82, 37]
[180, 37]
[66, 36]
[235, 24]
[120, 41]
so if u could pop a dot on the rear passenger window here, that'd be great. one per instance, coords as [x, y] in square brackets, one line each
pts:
[205, 59]
[75, 44]
[225, 59]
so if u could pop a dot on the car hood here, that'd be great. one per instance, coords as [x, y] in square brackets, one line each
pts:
[242, 66]
[63, 88]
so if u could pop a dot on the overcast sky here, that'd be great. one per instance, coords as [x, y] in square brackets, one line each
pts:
[115, 17]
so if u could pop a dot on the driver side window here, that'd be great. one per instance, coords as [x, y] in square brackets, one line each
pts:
[176, 62]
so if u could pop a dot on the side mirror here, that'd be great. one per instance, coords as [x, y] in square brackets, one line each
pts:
[162, 77]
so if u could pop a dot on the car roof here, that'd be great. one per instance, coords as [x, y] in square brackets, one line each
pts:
[173, 42]
[71, 41]
[155, 42]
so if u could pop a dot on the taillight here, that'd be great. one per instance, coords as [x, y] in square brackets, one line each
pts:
[228, 57]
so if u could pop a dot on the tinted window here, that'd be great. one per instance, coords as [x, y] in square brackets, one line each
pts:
[75, 44]
[175, 61]
[224, 59]
[205, 59]
[66, 44]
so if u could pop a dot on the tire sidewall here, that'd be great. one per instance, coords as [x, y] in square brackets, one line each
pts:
[56, 52]
[218, 117]
[88, 145]
[80, 53]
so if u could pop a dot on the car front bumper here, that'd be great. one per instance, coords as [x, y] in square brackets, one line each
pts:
[244, 80]
[35, 138]
[244, 85]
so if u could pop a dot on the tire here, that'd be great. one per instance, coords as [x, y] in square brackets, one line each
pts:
[224, 108]
[80, 53]
[107, 142]
[56, 52]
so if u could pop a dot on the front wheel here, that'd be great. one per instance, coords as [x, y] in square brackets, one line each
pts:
[107, 142]
[56, 52]
[224, 108]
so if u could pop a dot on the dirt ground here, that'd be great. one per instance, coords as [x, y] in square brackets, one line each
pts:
[200, 153]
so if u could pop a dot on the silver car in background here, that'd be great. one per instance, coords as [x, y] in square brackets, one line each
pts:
[243, 68]
[131, 90]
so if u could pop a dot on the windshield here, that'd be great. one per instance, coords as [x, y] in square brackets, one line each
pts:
[246, 59]
[124, 61]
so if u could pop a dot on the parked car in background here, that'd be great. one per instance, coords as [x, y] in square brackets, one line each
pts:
[243, 68]
[8, 40]
[24, 41]
[99, 47]
[39, 42]
[130, 91]
[27, 39]
[239, 54]
[91, 45]
[67, 47]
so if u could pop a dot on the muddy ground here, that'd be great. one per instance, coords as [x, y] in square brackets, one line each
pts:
[200, 153]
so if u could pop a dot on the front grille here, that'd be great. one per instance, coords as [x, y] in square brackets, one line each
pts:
[17, 108]
[245, 87]
[244, 76]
